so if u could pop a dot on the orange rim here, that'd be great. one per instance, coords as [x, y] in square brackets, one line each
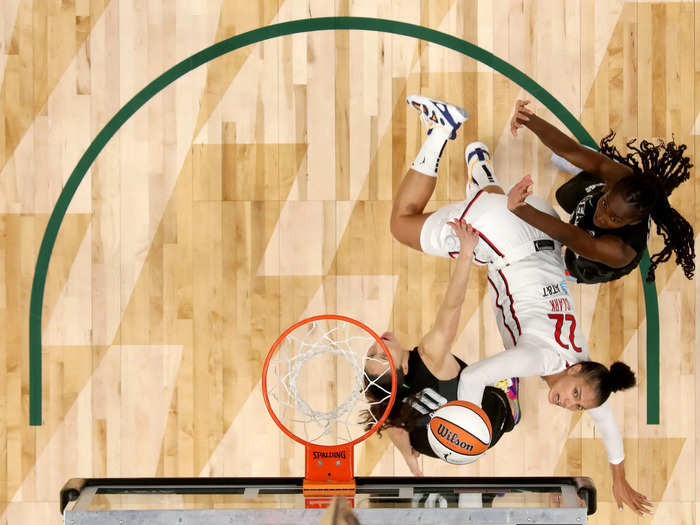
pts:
[336, 317]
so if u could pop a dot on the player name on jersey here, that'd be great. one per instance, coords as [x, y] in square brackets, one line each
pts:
[560, 304]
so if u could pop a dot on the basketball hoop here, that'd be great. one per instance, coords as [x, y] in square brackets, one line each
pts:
[325, 418]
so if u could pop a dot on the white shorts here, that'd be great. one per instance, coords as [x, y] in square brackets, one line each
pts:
[503, 237]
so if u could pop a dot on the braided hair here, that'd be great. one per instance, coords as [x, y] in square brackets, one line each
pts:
[658, 170]
[604, 381]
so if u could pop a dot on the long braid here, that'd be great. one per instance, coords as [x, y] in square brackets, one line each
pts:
[678, 237]
[658, 170]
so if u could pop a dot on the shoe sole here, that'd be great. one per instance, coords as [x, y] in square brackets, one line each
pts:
[431, 108]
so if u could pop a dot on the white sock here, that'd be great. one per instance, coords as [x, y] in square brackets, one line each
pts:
[430, 152]
[483, 174]
[471, 191]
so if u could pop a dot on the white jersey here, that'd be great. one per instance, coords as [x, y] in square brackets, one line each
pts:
[527, 275]
[530, 297]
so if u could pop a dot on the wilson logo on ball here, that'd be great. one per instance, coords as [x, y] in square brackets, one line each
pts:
[452, 437]
[459, 432]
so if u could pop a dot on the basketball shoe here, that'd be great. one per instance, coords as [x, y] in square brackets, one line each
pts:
[512, 388]
[436, 113]
[479, 168]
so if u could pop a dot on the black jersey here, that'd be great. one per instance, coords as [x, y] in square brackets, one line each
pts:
[579, 197]
[426, 392]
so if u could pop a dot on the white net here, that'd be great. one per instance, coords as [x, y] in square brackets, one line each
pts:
[322, 384]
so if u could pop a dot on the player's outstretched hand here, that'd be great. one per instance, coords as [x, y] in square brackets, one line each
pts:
[468, 236]
[624, 493]
[520, 115]
[519, 192]
[412, 462]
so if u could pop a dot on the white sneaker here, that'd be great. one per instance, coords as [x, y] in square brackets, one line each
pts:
[479, 167]
[436, 113]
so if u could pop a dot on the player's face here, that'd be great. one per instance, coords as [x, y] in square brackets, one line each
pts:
[377, 364]
[571, 391]
[613, 212]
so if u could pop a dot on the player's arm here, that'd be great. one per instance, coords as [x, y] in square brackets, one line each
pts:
[612, 439]
[607, 249]
[524, 360]
[401, 440]
[436, 344]
[564, 146]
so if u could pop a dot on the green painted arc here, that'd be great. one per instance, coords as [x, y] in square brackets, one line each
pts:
[259, 35]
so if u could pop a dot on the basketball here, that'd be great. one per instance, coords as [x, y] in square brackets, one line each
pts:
[459, 432]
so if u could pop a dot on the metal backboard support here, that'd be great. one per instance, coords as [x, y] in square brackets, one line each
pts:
[377, 500]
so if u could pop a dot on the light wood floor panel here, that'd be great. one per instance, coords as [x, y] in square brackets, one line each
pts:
[257, 190]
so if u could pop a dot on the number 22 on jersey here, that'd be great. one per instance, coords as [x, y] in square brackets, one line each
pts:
[560, 319]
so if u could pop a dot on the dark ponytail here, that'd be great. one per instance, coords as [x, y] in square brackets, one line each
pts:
[604, 381]
[620, 377]
[658, 170]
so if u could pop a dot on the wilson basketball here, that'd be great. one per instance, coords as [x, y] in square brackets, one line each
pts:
[459, 432]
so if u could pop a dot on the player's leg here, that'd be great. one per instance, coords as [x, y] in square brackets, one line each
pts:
[407, 217]
[480, 172]
[442, 121]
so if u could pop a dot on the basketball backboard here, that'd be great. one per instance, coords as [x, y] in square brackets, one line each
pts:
[303, 353]
[281, 501]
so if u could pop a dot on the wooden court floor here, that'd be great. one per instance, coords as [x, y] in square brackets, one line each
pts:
[256, 190]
